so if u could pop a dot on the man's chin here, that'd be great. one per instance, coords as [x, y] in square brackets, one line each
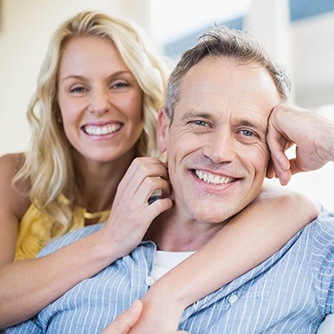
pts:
[210, 217]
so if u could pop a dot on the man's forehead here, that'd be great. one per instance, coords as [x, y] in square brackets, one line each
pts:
[218, 86]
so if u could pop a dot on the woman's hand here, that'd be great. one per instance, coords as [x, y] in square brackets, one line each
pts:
[131, 214]
[161, 312]
[125, 321]
[123, 324]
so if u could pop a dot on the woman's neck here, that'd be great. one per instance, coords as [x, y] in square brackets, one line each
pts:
[98, 181]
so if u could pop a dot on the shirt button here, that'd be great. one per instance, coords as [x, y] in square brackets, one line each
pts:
[233, 299]
[149, 280]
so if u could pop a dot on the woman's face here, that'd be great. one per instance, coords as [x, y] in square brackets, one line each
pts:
[99, 99]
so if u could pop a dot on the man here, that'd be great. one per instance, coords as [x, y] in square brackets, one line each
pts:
[219, 119]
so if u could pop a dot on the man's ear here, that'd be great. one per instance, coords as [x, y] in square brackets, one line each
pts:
[163, 130]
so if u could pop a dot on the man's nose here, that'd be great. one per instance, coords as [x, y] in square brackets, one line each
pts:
[100, 102]
[220, 147]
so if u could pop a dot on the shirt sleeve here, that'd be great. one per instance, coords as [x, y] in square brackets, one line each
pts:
[322, 236]
[29, 326]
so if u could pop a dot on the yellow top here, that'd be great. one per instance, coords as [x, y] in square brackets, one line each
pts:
[35, 232]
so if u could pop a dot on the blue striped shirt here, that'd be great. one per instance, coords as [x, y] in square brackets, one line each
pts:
[291, 292]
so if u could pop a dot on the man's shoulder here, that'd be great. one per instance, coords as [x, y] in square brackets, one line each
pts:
[319, 234]
[69, 238]
[324, 223]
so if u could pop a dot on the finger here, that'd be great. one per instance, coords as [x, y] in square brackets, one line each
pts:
[295, 168]
[158, 207]
[140, 169]
[274, 169]
[277, 145]
[149, 186]
[270, 170]
[278, 156]
[284, 177]
[149, 166]
[126, 320]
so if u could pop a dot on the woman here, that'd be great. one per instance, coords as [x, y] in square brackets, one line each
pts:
[92, 116]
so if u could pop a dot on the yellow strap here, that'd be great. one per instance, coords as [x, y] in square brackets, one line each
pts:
[102, 215]
[95, 215]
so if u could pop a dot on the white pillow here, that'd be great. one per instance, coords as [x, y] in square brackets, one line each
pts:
[327, 326]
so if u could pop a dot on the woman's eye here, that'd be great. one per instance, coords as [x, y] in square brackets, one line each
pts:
[120, 85]
[77, 89]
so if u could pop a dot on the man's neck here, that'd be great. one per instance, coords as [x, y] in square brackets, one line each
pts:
[173, 232]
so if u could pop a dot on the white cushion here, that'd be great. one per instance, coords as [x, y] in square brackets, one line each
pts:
[327, 326]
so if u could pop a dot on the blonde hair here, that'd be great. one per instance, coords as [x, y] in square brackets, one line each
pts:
[49, 163]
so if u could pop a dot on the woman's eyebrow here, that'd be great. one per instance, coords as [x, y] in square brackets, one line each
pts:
[83, 77]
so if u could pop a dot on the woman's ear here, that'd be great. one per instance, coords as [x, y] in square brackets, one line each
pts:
[163, 130]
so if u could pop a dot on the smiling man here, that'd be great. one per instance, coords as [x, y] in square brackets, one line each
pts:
[216, 144]
[214, 130]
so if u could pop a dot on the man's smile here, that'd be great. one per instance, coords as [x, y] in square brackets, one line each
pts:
[212, 178]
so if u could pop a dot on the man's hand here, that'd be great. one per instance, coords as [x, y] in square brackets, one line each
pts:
[312, 134]
[126, 320]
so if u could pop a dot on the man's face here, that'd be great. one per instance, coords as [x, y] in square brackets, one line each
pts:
[216, 145]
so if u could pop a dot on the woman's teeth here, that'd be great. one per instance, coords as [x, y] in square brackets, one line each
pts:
[102, 130]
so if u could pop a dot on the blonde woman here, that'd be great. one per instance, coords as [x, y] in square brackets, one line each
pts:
[92, 116]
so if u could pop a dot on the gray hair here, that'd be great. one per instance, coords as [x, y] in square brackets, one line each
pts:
[232, 44]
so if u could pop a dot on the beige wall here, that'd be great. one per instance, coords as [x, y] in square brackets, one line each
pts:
[25, 29]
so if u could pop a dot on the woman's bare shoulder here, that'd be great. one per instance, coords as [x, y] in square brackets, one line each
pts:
[14, 197]
[10, 164]
[11, 160]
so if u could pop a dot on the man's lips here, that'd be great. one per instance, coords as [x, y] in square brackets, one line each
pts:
[102, 130]
[212, 178]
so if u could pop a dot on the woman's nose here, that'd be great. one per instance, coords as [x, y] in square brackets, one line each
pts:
[100, 102]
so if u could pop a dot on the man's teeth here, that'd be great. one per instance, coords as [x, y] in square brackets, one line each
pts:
[212, 179]
[102, 130]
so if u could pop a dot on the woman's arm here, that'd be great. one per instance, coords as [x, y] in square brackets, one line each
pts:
[126, 320]
[251, 237]
[28, 286]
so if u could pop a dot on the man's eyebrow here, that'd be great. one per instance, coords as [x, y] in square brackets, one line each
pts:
[192, 114]
[246, 122]
[253, 124]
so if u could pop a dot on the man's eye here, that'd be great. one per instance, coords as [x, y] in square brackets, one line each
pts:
[248, 133]
[200, 123]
